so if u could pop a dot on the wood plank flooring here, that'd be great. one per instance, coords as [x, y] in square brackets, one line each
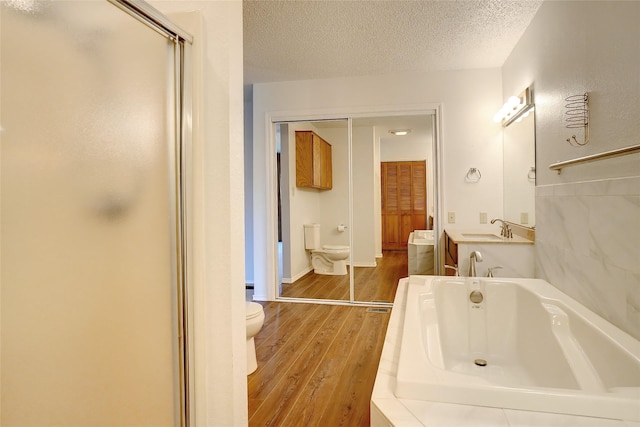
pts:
[317, 363]
[371, 284]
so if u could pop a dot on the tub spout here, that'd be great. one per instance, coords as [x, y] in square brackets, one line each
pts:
[475, 256]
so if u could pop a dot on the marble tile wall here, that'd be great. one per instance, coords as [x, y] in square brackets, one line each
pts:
[588, 245]
[516, 260]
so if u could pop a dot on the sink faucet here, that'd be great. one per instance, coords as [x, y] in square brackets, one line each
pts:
[505, 231]
[473, 258]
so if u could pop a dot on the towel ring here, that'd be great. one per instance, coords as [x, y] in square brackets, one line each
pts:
[531, 175]
[473, 175]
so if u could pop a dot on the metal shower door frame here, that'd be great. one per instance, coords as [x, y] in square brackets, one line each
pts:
[179, 160]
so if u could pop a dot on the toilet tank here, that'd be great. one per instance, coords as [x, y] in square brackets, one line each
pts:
[312, 236]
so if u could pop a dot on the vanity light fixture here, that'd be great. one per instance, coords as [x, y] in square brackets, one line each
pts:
[27, 6]
[515, 109]
[400, 132]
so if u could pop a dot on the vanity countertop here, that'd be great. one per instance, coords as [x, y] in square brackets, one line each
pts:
[460, 235]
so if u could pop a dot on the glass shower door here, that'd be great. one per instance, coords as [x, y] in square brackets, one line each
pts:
[89, 294]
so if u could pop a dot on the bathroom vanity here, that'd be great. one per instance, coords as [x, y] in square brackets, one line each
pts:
[506, 257]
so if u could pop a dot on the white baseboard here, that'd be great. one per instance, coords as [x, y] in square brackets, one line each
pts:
[365, 264]
[304, 272]
[260, 298]
[297, 276]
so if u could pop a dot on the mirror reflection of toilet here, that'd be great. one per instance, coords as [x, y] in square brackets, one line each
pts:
[325, 259]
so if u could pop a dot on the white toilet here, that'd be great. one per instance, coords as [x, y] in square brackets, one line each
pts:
[255, 320]
[325, 259]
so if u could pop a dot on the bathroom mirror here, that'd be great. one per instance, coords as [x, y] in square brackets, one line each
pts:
[320, 151]
[520, 171]
[318, 221]
[393, 195]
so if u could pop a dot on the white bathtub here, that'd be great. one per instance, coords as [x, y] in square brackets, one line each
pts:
[543, 350]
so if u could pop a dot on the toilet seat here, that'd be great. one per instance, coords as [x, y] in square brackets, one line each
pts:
[334, 248]
[253, 310]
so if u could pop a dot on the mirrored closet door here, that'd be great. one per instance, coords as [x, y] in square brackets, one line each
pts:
[313, 209]
[351, 194]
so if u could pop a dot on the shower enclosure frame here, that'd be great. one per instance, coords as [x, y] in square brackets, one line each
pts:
[179, 155]
[183, 86]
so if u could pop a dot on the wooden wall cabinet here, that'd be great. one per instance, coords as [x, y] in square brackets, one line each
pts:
[313, 161]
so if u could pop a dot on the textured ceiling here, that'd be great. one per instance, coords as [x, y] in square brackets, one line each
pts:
[296, 40]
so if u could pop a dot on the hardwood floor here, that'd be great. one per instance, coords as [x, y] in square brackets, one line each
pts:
[317, 363]
[371, 284]
[379, 283]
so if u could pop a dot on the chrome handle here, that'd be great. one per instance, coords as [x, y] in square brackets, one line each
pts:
[452, 268]
[490, 273]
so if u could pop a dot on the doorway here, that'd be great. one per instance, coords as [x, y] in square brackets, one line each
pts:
[93, 289]
[404, 201]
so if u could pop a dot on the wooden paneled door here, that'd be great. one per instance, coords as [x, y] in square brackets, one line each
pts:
[404, 202]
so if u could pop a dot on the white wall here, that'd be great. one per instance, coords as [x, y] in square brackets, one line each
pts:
[377, 196]
[248, 183]
[469, 99]
[363, 252]
[588, 217]
[334, 204]
[217, 261]
[394, 150]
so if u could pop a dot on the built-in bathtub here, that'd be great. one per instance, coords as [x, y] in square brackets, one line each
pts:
[541, 350]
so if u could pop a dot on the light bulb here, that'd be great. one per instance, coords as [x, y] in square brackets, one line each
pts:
[513, 101]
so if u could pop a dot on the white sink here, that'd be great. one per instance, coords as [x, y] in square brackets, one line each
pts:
[481, 236]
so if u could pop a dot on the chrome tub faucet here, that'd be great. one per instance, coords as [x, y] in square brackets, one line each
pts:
[474, 257]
